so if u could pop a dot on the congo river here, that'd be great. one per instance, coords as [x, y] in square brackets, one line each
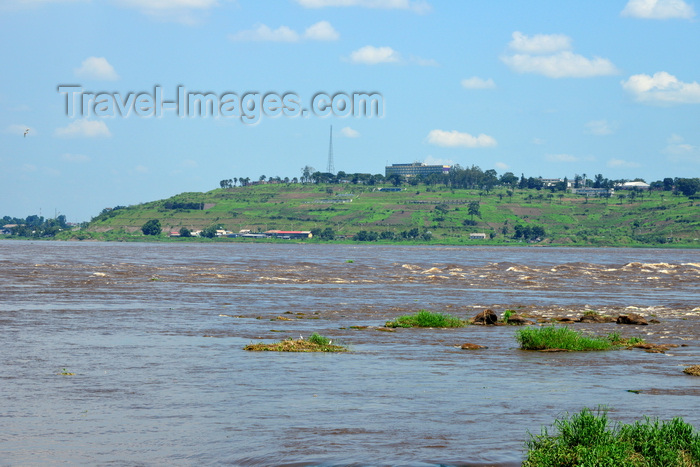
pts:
[132, 353]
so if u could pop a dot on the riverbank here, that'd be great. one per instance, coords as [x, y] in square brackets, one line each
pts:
[416, 215]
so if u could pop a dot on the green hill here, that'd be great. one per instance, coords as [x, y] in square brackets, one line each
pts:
[652, 218]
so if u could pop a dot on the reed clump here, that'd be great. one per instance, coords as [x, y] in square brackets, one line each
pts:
[426, 319]
[315, 343]
[588, 438]
[561, 338]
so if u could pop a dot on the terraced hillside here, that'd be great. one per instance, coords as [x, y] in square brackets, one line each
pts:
[449, 215]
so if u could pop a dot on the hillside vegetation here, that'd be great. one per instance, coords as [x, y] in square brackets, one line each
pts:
[350, 212]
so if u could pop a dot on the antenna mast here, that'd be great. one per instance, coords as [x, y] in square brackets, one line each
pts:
[331, 166]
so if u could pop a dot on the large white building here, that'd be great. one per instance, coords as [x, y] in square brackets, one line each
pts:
[415, 168]
[633, 186]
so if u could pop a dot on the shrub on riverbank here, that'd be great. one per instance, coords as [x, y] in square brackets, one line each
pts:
[588, 438]
[426, 319]
[551, 337]
[315, 343]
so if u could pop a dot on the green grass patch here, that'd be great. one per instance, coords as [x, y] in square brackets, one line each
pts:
[589, 439]
[426, 319]
[315, 343]
[552, 337]
[507, 314]
[616, 339]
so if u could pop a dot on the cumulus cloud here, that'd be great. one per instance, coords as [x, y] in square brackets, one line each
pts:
[502, 165]
[617, 163]
[600, 127]
[96, 68]
[454, 138]
[321, 31]
[414, 5]
[550, 55]
[565, 64]
[349, 132]
[478, 83]
[539, 43]
[84, 128]
[263, 32]
[662, 88]
[658, 9]
[561, 158]
[180, 11]
[430, 160]
[370, 55]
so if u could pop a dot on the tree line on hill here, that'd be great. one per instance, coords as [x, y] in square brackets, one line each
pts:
[470, 178]
[34, 226]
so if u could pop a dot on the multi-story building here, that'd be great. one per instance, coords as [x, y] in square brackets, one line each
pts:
[415, 168]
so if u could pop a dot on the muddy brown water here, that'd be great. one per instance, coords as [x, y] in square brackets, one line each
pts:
[153, 335]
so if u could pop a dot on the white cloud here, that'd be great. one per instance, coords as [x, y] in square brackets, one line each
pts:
[455, 138]
[180, 11]
[19, 130]
[614, 163]
[478, 83]
[414, 5]
[563, 64]
[85, 129]
[25, 4]
[538, 141]
[349, 132]
[141, 169]
[321, 31]
[662, 88]
[96, 68]
[370, 55]
[561, 158]
[265, 33]
[678, 150]
[600, 127]
[423, 61]
[658, 9]
[502, 165]
[550, 55]
[75, 157]
[674, 139]
[539, 43]
[430, 160]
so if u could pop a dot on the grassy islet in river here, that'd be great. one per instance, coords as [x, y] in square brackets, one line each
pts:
[426, 319]
[315, 343]
[563, 338]
[589, 439]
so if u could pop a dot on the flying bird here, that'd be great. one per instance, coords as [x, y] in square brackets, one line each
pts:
[25, 132]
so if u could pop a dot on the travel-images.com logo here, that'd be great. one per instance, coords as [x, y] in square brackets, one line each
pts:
[249, 107]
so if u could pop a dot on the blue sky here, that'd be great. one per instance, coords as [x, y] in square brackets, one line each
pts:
[545, 88]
